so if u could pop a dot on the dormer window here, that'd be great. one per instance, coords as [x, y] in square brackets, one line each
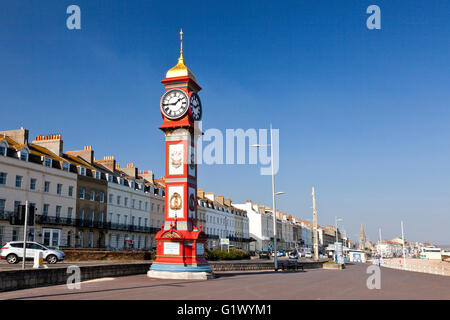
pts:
[82, 171]
[121, 181]
[98, 175]
[110, 177]
[132, 184]
[3, 148]
[23, 155]
[65, 166]
[48, 162]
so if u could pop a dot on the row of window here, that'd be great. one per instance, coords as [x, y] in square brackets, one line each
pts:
[33, 184]
[91, 195]
[220, 208]
[124, 220]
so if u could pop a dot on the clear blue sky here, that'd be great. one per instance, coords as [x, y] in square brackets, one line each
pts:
[363, 115]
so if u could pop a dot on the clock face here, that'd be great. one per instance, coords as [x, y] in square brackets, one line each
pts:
[174, 103]
[196, 107]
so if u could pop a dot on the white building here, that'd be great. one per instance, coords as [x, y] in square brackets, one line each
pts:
[135, 208]
[34, 173]
[260, 224]
[221, 220]
[389, 249]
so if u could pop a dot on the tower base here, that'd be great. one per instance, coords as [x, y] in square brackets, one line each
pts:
[176, 271]
[184, 275]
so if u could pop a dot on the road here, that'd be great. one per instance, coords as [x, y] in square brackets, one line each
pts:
[349, 283]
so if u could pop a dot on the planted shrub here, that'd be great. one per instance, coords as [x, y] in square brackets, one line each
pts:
[233, 254]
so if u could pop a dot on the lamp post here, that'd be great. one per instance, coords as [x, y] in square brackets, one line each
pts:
[336, 220]
[316, 243]
[275, 258]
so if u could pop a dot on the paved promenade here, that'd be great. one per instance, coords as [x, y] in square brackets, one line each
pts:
[349, 283]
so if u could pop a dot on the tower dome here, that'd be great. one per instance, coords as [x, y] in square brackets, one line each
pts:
[180, 70]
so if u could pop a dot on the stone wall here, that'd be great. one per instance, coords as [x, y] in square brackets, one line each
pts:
[108, 255]
[22, 279]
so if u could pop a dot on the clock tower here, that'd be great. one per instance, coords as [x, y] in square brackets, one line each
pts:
[180, 244]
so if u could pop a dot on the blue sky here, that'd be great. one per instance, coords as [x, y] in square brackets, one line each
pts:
[363, 114]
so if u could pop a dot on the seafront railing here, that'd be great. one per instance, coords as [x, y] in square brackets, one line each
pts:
[416, 265]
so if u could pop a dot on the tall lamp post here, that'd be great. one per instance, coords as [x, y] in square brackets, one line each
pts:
[336, 220]
[316, 243]
[274, 216]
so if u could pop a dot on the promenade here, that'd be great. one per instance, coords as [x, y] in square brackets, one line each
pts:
[349, 283]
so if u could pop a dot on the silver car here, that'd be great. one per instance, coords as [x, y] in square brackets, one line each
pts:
[13, 252]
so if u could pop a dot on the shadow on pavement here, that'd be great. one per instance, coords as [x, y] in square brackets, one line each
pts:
[250, 273]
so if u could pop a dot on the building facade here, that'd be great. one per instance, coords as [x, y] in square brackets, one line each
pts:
[221, 220]
[30, 172]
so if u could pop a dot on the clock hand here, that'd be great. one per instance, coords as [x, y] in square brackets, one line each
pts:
[170, 104]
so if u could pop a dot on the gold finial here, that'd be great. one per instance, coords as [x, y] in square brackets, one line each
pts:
[180, 69]
[181, 46]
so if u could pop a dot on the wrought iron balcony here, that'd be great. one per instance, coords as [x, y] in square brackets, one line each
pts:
[5, 215]
[53, 220]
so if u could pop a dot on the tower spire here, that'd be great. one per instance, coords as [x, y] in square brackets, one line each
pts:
[181, 59]
[180, 69]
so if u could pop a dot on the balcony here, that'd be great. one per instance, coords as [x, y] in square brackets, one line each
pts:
[53, 220]
[4, 215]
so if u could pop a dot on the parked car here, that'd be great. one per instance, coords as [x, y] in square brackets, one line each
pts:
[13, 252]
[278, 254]
[282, 253]
[293, 255]
[308, 255]
[264, 255]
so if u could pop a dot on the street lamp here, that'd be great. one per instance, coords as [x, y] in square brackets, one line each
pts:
[275, 258]
[336, 220]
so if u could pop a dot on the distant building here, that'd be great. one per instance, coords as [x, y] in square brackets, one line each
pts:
[222, 220]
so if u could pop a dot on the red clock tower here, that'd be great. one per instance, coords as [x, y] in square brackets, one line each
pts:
[180, 244]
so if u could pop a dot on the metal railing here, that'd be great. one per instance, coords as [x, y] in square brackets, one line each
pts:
[54, 220]
[416, 265]
[5, 215]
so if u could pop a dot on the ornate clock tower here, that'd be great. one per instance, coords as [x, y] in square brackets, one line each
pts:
[180, 244]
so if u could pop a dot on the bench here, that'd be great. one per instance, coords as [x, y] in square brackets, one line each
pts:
[291, 265]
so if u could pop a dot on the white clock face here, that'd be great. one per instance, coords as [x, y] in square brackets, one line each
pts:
[196, 107]
[174, 103]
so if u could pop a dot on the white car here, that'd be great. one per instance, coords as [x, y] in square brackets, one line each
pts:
[13, 252]
[308, 255]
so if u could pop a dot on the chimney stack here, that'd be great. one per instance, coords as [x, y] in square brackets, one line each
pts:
[209, 195]
[130, 170]
[19, 135]
[147, 175]
[219, 199]
[87, 154]
[52, 142]
[108, 162]
[200, 193]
